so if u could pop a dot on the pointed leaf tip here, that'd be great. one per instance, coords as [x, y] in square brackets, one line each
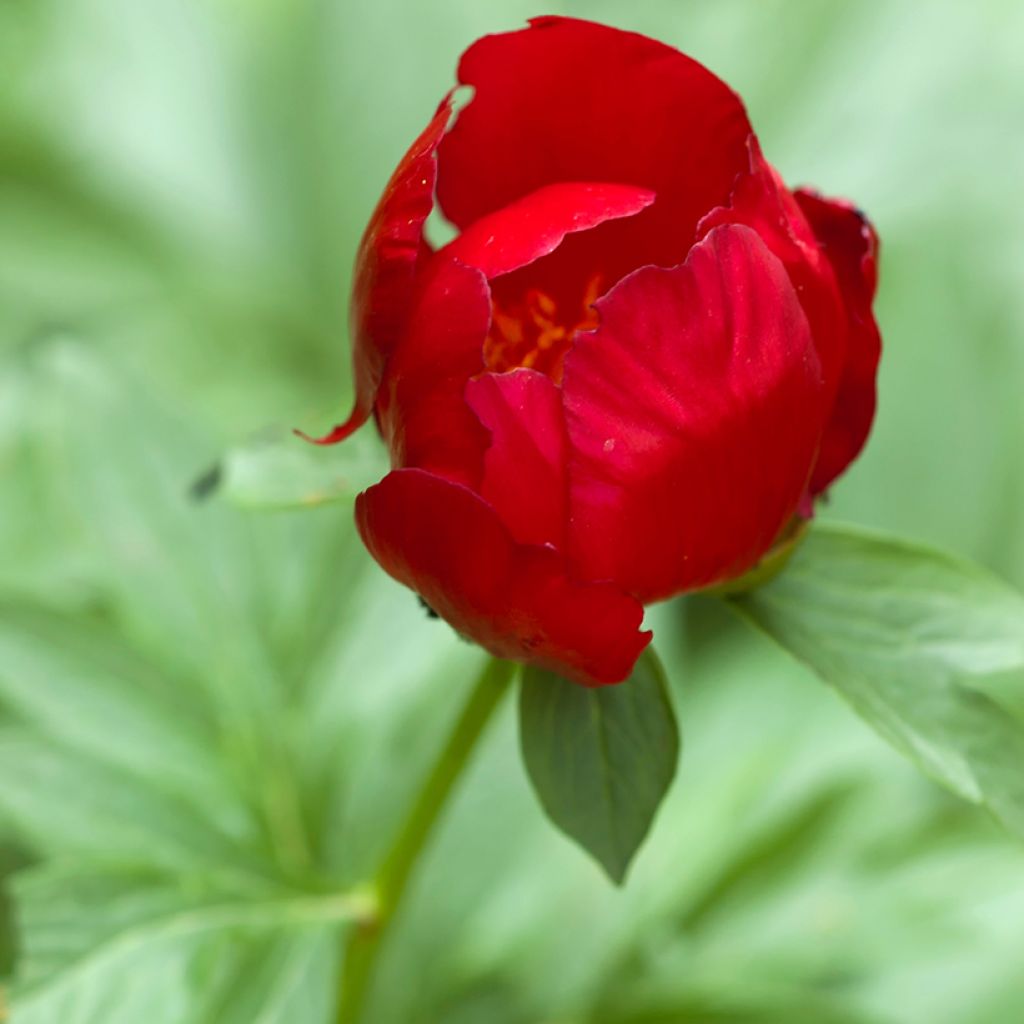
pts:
[600, 759]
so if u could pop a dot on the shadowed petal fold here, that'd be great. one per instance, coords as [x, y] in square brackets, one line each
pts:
[850, 244]
[421, 406]
[524, 467]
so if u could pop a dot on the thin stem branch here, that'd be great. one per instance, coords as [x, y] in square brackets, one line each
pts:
[360, 959]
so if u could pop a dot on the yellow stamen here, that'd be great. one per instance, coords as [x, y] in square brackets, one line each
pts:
[530, 333]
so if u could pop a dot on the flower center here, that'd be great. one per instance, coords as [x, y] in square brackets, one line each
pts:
[533, 332]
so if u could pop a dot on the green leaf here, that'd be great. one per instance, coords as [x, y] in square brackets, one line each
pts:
[176, 718]
[279, 470]
[602, 758]
[168, 948]
[927, 649]
[78, 682]
[93, 725]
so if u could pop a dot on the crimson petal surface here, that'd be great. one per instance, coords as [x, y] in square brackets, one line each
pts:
[694, 413]
[516, 600]
[524, 467]
[571, 100]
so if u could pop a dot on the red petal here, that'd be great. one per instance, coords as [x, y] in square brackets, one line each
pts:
[524, 468]
[447, 544]
[535, 225]
[694, 413]
[761, 200]
[386, 268]
[851, 246]
[421, 406]
[569, 100]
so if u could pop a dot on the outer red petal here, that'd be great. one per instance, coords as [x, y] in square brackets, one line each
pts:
[761, 200]
[386, 268]
[421, 405]
[524, 468]
[447, 544]
[570, 100]
[694, 413]
[849, 242]
[536, 224]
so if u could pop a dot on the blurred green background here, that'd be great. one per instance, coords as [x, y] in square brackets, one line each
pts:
[211, 716]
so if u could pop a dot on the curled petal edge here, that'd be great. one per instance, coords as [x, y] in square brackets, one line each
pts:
[389, 255]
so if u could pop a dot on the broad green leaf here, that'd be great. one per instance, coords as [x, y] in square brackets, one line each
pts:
[927, 649]
[124, 946]
[104, 470]
[602, 758]
[78, 682]
[64, 803]
[93, 723]
[280, 470]
[118, 493]
[175, 715]
[231, 613]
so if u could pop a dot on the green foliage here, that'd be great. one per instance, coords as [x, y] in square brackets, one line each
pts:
[11, 859]
[211, 730]
[275, 471]
[168, 748]
[600, 759]
[927, 649]
[211, 720]
[144, 760]
[125, 944]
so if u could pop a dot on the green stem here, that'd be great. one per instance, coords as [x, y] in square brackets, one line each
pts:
[393, 876]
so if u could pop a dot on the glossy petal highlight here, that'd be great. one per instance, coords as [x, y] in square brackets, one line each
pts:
[536, 224]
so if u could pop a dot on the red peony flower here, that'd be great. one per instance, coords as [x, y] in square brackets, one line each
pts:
[642, 357]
